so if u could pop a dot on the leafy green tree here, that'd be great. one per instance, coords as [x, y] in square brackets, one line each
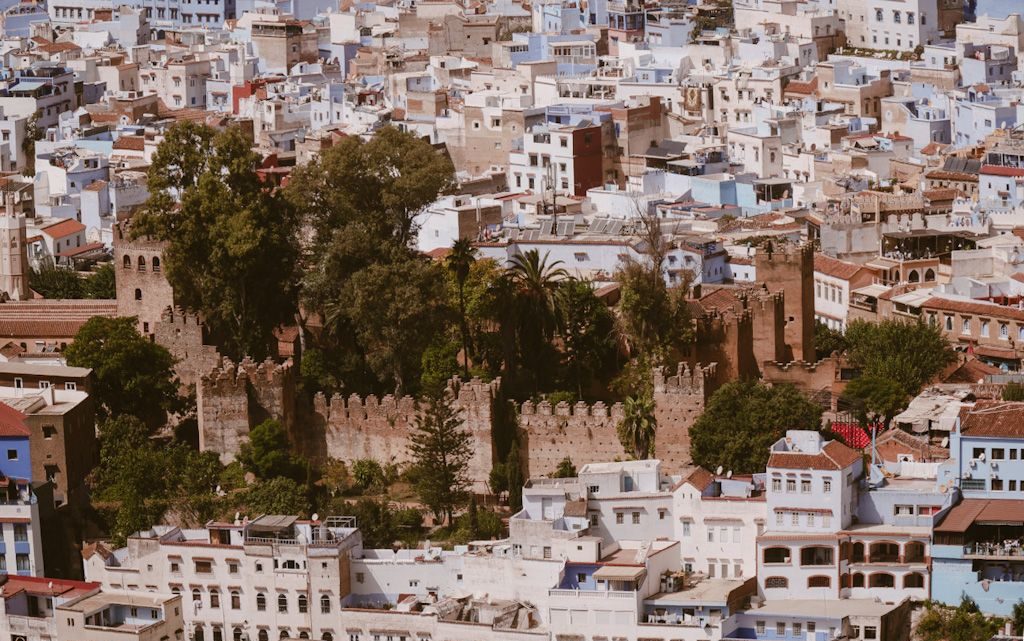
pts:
[1018, 617]
[477, 524]
[587, 329]
[100, 283]
[497, 480]
[459, 263]
[336, 478]
[395, 329]
[56, 283]
[872, 399]
[742, 420]
[638, 426]
[382, 524]
[279, 495]
[232, 242]
[380, 184]
[132, 375]
[268, 454]
[828, 341]
[514, 468]
[565, 469]
[439, 365]
[655, 319]
[534, 285]
[911, 354]
[441, 447]
[963, 623]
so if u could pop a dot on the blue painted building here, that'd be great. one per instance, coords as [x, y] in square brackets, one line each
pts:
[978, 548]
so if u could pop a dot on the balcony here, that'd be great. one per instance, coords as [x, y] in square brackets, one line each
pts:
[994, 550]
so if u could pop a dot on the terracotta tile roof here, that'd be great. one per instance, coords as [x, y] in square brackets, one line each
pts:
[96, 185]
[44, 586]
[12, 422]
[942, 194]
[852, 434]
[132, 143]
[933, 148]
[834, 456]
[973, 307]
[942, 174]
[993, 418]
[835, 268]
[802, 88]
[84, 249]
[999, 170]
[45, 318]
[721, 298]
[58, 47]
[971, 511]
[970, 371]
[921, 448]
[700, 479]
[63, 228]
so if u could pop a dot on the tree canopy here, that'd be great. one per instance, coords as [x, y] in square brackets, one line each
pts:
[741, 421]
[267, 453]
[440, 447]
[233, 242]
[133, 376]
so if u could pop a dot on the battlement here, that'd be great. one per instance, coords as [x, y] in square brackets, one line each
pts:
[759, 299]
[580, 408]
[356, 407]
[123, 239]
[229, 376]
[809, 367]
[179, 317]
[686, 380]
[783, 253]
[474, 390]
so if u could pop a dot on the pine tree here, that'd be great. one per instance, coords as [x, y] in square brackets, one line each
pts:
[515, 478]
[441, 450]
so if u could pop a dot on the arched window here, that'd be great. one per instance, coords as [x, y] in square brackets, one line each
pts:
[282, 603]
[285, 633]
[290, 564]
[261, 602]
[199, 634]
[138, 294]
[776, 582]
[881, 580]
[327, 636]
[913, 552]
[884, 552]
[816, 555]
[776, 555]
[913, 580]
[303, 603]
[127, 262]
[929, 275]
[913, 276]
[858, 553]
[142, 263]
[236, 600]
[156, 263]
[819, 581]
[263, 635]
[303, 634]
[195, 595]
[236, 634]
[214, 598]
[325, 604]
[858, 580]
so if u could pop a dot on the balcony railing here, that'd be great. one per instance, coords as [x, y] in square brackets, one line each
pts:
[599, 594]
[1005, 549]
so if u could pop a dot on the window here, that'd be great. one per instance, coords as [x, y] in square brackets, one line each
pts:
[805, 486]
[636, 518]
[776, 555]
[827, 485]
[796, 518]
[910, 17]
[547, 551]
[236, 600]
[12, 455]
[325, 604]
[203, 567]
[776, 582]
[978, 452]
[759, 626]
[175, 567]
[661, 515]
[1004, 331]
[949, 323]
[776, 485]
[998, 454]
[819, 581]
[997, 485]
[686, 528]
[282, 603]
[791, 485]
[196, 595]
[965, 326]
[70, 386]
[44, 384]
[138, 294]
[797, 629]
[20, 532]
[984, 328]
[360, 577]
[581, 577]
[870, 632]
[261, 602]
[780, 628]
[214, 598]
[811, 627]
[303, 604]
[619, 518]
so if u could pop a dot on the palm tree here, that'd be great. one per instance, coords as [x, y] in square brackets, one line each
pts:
[638, 425]
[535, 285]
[459, 262]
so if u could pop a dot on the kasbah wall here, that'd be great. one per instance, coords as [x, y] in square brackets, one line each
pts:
[234, 398]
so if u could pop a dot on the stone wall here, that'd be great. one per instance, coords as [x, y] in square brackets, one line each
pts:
[790, 268]
[678, 401]
[184, 337]
[820, 381]
[585, 433]
[231, 399]
[354, 428]
[142, 287]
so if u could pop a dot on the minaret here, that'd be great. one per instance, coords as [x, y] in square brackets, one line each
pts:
[13, 253]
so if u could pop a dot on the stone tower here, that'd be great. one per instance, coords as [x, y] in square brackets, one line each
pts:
[790, 267]
[13, 253]
[142, 288]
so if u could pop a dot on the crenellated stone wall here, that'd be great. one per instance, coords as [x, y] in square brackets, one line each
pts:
[585, 433]
[678, 401]
[184, 336]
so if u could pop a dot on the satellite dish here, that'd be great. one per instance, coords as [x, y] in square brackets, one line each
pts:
[945, 441]
[728, 474]
[316, 517]
[982, 457]
[719, 470]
